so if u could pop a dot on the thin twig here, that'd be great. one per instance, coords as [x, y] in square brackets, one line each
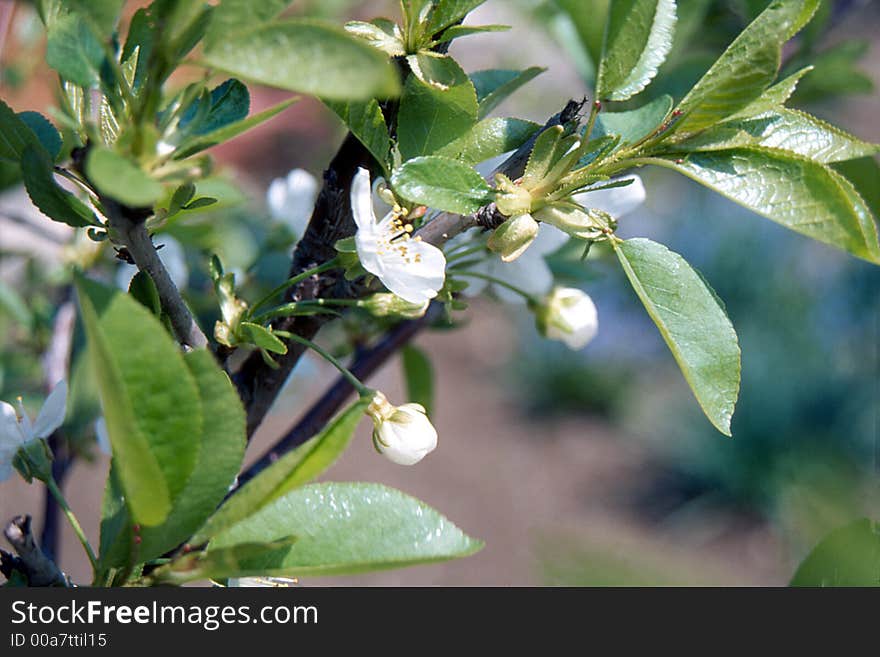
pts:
[31, 562]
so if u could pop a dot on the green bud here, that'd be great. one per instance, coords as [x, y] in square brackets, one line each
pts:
[34, 461]
[513, 237]
[589, 224]
[385, 304]
[512, 199]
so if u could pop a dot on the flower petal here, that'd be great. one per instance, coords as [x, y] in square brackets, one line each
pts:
[52, 414]
[362, 202]
[11, 437]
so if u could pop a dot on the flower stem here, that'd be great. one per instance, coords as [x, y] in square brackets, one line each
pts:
[463, 253]
[497, 281]
[289, 309]
[355, 382]
[330, 264]
[71, 518]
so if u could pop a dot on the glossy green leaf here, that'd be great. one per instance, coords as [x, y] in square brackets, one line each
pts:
[367, 123]
[746, 68]
[305, 56]
[551, 147]
[634, 125]
[447, 12]
[419, 376]
[262, 337]
[227, 103]
[291, 471]
[150, 399]
[494, 86]
[47, 195]
[848, 556]
[346, 528]
[691, 321]
[786, 130]
[46, 133]
[489, 138]
[864, 175]
[381, 33]
[442, 184]
[118, 178]
[430, 118]
[74, 51]
[774, 98]
[196, 144]
[458, 31]
[638, 37]
[798, 193]
[436, 69]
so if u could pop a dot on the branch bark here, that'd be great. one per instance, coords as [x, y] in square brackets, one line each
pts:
[31, 562]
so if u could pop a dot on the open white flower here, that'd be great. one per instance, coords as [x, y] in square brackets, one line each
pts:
[292, 199]
[17, 430]
[404, 434]
[412, 269]
[569, 315]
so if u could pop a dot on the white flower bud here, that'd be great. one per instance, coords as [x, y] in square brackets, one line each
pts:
[513, 237]
[404, 434]
[568, 315]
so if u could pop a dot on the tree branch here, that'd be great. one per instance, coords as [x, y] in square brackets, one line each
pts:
[323, 410]
[31, 562]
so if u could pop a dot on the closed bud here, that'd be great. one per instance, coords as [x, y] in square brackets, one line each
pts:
[568, 315]
[513, 237]
[587, 224]
[403, 434]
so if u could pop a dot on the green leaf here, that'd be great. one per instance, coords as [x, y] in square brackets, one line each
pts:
[102, 13]
[14, 306]
[45, 132]
[638, 37]
[588, 19]
[228, 103]
[73, 51]
[431, 118]
[346, 528]
[367, 123]
[746, 68]
[291, 471]
[447, 12]
[864, 175]
[220, 453]
[489, 138]
[419, 376]
[262, 337]
[47, 195]
[306, 56]
[196, 144]
[550, 149]
[458, 31]
[150, 400]
[848, 556]
[221, 563]
[785, 130]
[234, 15]
[435, 69]
[774, 98]
[691, 321]
[143, 290]
[495, 85]
[798, 193]
[442, 184]
[634, 125]
[15, 135]
[118, 178]
[381, 33]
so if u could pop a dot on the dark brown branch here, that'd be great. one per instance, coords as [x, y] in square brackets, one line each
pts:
[31, 562]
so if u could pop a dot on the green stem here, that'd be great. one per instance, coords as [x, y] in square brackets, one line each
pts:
[497, 281]
[355, 382]
[330, 264]
[289, 309]
[71, 518]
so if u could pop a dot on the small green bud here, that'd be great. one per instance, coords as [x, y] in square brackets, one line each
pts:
[385, 304]
[588, 224]
[513, 237]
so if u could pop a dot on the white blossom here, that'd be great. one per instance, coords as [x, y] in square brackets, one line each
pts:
[569, 315]
[404, 434]
[292, 199]
[17, 430]
[410, 268]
